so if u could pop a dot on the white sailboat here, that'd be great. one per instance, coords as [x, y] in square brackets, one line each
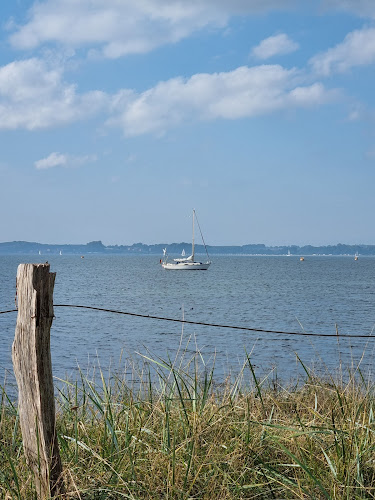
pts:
[187, 263]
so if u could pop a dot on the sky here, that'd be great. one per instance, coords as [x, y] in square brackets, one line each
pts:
[117, 118]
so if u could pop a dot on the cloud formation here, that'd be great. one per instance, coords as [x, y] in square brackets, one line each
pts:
[119, 27]
[62, 160]
[274, 45]
[357, 49]
[242, 93]
[53, 160]
[33, 96]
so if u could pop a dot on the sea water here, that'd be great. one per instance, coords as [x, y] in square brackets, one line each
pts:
[322, 294]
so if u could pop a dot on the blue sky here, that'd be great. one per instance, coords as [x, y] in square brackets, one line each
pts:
[118, 117]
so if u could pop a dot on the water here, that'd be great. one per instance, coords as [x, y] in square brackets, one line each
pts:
[274, 293]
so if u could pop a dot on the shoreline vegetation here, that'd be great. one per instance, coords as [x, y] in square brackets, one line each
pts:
[169, 431]
[97, 247]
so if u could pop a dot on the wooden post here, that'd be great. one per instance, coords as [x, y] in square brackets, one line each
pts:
[33, 369]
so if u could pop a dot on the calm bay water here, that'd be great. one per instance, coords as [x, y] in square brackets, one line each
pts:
[275, 293]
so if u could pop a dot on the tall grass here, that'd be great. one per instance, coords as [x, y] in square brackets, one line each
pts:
[174, 433]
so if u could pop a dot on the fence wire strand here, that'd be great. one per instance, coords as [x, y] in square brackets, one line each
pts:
[213, 325]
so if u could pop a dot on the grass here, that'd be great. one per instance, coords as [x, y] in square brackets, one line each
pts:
[175, 434]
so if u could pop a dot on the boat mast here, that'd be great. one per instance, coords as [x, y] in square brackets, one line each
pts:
[192, 244]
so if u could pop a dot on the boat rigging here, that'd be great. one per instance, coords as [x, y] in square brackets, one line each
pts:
[187, 263]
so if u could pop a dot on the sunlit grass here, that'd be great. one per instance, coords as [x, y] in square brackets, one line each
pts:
[174, 433]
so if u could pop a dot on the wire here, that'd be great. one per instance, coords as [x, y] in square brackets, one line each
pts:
[200, 230]
[214, 325]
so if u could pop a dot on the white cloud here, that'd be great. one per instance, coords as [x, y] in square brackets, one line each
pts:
[33, 95]
[53, 160]
[119, 27]
[63, 160]
[242, 93]
[357, 49]
[274, 45]
[311, 95]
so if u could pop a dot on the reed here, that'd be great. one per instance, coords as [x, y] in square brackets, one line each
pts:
[171, 432]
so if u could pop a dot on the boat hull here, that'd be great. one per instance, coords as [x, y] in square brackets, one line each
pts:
[186, 266]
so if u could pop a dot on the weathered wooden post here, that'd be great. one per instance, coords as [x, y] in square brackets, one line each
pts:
[33, 369]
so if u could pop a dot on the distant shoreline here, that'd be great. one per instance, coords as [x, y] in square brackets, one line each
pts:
[97, 247]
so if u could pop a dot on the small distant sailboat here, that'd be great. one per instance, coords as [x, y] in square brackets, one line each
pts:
[187, 263]
[40, 253]
[302, 259]
[289, 254]
[356, 256]
[60, 252]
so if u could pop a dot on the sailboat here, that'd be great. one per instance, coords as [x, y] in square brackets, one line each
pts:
[187, 263]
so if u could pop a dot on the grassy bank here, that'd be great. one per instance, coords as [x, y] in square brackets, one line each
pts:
[175, 434]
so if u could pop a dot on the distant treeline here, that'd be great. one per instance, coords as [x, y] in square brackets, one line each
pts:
[97, 247]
